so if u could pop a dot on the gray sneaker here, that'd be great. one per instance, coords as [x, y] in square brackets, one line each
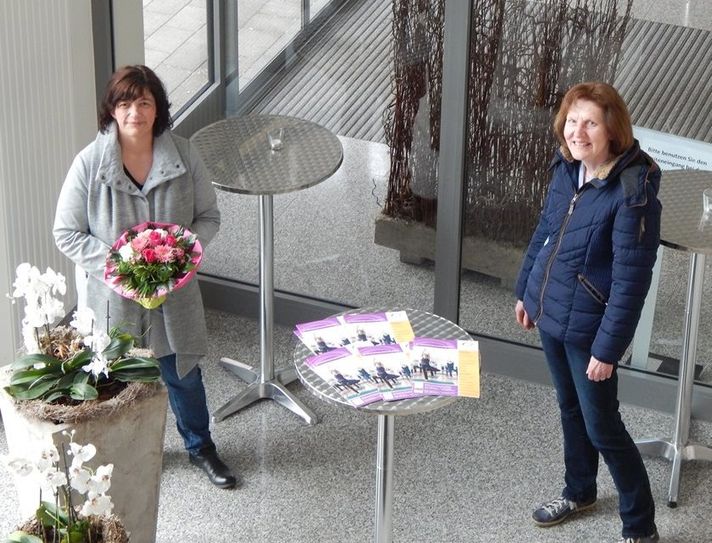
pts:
[558, 510]
[647, 539]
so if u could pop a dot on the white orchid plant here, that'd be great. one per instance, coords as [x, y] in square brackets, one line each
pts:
[69, 363]
[60, 519]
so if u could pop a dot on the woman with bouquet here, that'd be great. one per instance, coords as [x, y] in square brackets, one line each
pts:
[137, 171]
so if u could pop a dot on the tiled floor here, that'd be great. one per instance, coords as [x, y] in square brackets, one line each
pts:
[467, 473]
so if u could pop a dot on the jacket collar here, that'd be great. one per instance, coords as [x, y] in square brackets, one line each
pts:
[607, 170]
[167, 161]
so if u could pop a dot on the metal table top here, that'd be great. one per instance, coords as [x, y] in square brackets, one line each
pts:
[424, 324]
[681, 195]
[237, 153]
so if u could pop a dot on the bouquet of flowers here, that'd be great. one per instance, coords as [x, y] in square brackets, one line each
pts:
[59, 519]
[70, 363]
[150, 260]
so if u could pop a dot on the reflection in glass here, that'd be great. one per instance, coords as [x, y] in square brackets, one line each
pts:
[176, 47]
[265, 28]
[315, 7]
[342, 79]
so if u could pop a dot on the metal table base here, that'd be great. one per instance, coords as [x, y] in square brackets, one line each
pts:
[424, 324]
[240, 158]
[384, 479]
[679, 449]
[267, 384]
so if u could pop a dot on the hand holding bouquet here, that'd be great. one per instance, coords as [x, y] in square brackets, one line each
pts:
[150, 260]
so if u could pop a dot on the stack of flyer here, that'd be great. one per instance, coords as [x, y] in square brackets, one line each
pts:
[371, 357]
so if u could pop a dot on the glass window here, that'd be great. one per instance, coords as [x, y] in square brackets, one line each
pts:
[265, 28]
[315, 7]
[340, 240]
[524, 57]
[176, 47]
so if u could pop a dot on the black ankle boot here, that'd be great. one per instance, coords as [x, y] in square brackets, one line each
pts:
[216, 470]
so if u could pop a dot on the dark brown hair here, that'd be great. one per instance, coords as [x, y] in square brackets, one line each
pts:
[615, 113]
[130, 83]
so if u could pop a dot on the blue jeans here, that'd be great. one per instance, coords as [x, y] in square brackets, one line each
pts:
[591, 425]
[187, 399]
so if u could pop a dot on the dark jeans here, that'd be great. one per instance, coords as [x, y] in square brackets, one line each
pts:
[592, 424]
[187, 399]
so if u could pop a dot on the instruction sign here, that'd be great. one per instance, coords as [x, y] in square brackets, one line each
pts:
[673, 152]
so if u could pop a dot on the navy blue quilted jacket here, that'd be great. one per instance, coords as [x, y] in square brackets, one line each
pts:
[589, 263]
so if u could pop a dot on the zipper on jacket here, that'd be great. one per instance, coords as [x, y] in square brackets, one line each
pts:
[552, 256]
[592, 290]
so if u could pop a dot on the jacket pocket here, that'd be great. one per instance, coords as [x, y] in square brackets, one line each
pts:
[593, 291]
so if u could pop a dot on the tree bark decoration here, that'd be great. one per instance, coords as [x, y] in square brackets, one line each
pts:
[524, 55]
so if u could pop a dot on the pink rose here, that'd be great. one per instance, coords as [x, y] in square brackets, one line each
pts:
[170, 240]
[155, 238]
[149, 255]
[139, 243]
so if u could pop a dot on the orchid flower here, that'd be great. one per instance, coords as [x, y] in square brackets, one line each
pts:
[97, 504]
[84, 453]
[101, 480]
[98, 365]
[47, 458]
[29, 338]
[53, 479]
[19, 466]
[83, 321]
[98, 341]
[79, 478]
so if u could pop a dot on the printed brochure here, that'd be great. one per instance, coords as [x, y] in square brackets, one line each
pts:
[385, 328]
[387, 366]
[445, 367]
[339, 368]
[322, 336]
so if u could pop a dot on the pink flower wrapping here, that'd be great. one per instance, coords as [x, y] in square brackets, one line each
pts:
[151, 260]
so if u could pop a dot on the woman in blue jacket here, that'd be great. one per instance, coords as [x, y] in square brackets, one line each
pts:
[583, 282]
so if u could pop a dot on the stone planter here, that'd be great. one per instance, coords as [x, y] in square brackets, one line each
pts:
[131, 438]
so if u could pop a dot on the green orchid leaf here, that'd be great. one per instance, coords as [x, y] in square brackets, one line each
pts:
[83, 391]
[133, 363]
[76, 533]
[80, 377]
[56, 395]
[25, 392]
[136, 377]
[78, 360]
[31, 376]
[119, 346]
[66, 381]
[32, 359]
[50, 515]
[22, 537]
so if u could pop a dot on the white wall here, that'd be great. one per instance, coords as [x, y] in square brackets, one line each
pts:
[47, 114]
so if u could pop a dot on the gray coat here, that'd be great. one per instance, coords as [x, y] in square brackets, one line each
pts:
[98, 203]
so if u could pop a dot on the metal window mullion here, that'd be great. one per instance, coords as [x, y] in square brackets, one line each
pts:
[452, 169]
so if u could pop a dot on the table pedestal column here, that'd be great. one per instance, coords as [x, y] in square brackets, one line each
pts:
[679, 448]
[268, 384]
[384, 479]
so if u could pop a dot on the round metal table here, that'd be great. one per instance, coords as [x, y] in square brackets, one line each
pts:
[238, 155]
[426, 325]
[683, 228]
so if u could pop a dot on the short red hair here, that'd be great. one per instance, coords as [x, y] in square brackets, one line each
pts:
[615, 113]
